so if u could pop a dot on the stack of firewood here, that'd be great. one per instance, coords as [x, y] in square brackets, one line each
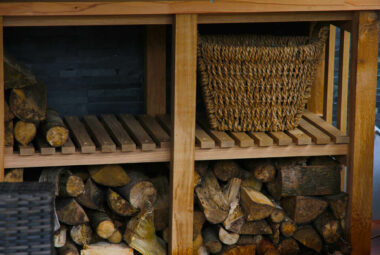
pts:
[106, 207]
[25, 109]
[280, 206]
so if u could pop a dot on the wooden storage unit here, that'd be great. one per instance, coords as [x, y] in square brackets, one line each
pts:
[359, 22]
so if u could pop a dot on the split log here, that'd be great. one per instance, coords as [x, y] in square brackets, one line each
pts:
[60, 237]
[138, 190]
[226, 169]
[305, 181]
[198, 221]
[252, 182]
[328, 227]
[256, 205]
[260, 227]
[116, 237]
[308, 237]
[201, 167]
[265, 247]
[275, 236]
[263, 169]
[211, 240]
[81, 234]
[303, 209]
[24, 132]
[338, 204]
[240, 250]
[231, 191]
[161, 207]
[92, 197]
[8, 114]
[109, 175]
[288, 247]
[101, 223]
[29, 103]
[140, 233]
[53, 129]
[249, 239]
[211, 199]
[103, 248]
[288, 227]
[235, 219]
[68, 249]
[227, 237]
[119, 205]
[14, 175]
[70, 212]
[16, 75]
[8, 134]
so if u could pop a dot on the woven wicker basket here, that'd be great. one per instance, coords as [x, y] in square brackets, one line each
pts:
[257, 83]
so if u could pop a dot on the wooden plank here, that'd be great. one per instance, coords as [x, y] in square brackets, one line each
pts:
[183, 134]
[280, 138]
[362, 93]
[2, 99]
[154, 129]
[299, 137]
[166, 123]
[261, 139]
[221, 138]
[330, 130]
[26, 150]
[203, 139]
[80, 135]
[43, 146]
[317, 136]
[344, 60]
[242, 139]
[117, 132]
[137, 132]
[329, 76]
[99, 134]
[68, 147]
[155, 70]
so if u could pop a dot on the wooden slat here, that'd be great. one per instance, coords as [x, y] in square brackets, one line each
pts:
[68, 147]
[242, 139]
[99, 134]
[344, 59]
[26, 150]
[2, 128]
[203, 139]
[165, 121]
[329, 76]
[280, 138]
[317, 136]
[333, 132]
[80, 135]
[299, 137]
[183, 134]
[117, 132]
[363, 74]
[137, 132]
[43, 146]
[261, 139]
[154, 129]
[155, 70]
[221, 138]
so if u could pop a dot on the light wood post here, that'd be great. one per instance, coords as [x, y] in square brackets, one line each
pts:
[329, 76]
[183, 133]
[362, 103]
[1, 101]
[155, 70]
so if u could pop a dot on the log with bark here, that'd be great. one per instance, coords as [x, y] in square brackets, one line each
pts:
[60, 237]
[256, 205]
[8, 134]
[24, 132]
[303, 209]
[16, 74]
[338, 204]
[328, 227]
[92, 197]
[109, 175]
[308, 237]
[260, 227]
[161, 207]
[211, 240]
[103, 248]
[288, 227]
[101, 223]
[226, 169]
[53, 129]
[68, 249]
[119, 205]
[70, 212]
[288, 246]
[66, 184]
[262, 169]
[249, 239]
[81, 234]
[14, 175]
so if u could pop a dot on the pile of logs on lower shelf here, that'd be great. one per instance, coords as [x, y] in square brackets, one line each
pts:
[280, 206]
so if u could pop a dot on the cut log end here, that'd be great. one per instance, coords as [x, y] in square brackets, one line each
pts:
[119, 205]
[81, 234]
[25, 132]
[116, 237]
[73, 186]
[57, 136]
[109, 175]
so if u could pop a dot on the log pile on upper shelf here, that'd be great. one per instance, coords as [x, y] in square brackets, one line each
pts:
[281, 206]
[110, 209]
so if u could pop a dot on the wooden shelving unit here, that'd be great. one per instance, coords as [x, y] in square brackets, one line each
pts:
[191, 140]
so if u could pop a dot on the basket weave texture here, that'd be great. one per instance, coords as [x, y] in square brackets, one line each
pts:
[257, 83]
[26, 218]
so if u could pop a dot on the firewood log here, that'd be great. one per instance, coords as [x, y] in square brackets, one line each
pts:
[275, 236]
[260, 227]
[70, 212]
[138, 190]
[68, 249]
[8, 134]
[140, 233]
[109, 175]
[226, 237]
[201, 167]
[288, 227]
[103, 248]
[211, 240]
[198, 221]
[338, 204]
[8, 114]
[197, 243]
[60, 237]
[24, 132]
[341, 246]
[263, 169]
[305, 181]
[119, 205]
[116, 237]
[211, 199]
[161, 208]
[249, 239]
[278, 215]
[252, 182]
[240, 250]
[14, 175]
[29, 103]
[308, 237]
[101, 223]
[256, 205]
[92, 197]
[226, 169]
[328, 227]
[303, 209]
[265, 247]
[231, 191]
[66, 184]
[288, 246]
[52, 175]
[235, 218]
[81, 234]
[16, 75]
[53, 129]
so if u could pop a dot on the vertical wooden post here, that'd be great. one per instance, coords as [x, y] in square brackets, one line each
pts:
[2, 130]
[183, 133]
[329, 76]
[155, 70]
[362, 103]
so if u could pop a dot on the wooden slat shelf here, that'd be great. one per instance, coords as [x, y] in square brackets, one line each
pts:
[151, 142]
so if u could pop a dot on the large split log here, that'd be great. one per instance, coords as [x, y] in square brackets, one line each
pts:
[260, 227]
[68, 249]
[328, 227]
[308, 237]
[198, 221]
[256, 205]
[109, 175]
[8, 134]
[235, 219]
[211, 240]
[288, 227]
[101, 223]
[81, 234]
[211, 199]
[66, 184]
[70, 212]
[161, 207]
[24, 132]
[288, 246]
[231, 191]
[226, 169]
[14, 175]
[60, 237]
[252, 182]
[53, 129]
[16, 75]
[8, 114]
[265, 247]
[226, 237]
[119, 205]
[116, 237]
[263, 169]
[103, 248]
[29, 103]
[338, 204]
[303, 209]
[240, 250]
[92, 197]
